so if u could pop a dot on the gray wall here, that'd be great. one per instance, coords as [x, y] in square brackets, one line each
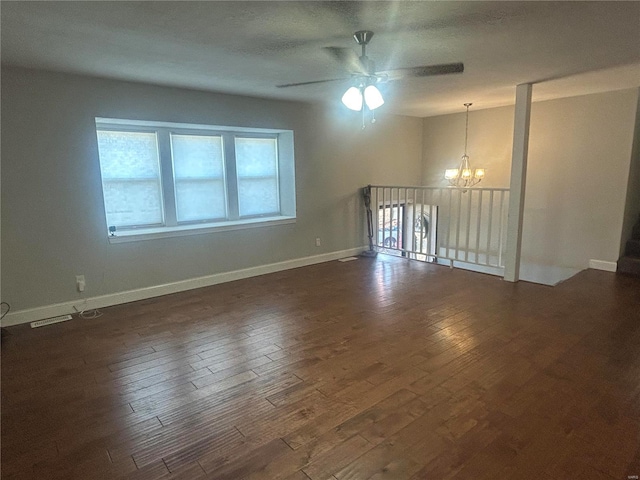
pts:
[570, 219]
[579, 157]
[489, 145]
[53, 224]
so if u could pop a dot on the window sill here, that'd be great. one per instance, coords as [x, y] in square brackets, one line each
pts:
[198, 229]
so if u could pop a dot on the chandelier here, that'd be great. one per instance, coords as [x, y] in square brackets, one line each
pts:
[464, 176]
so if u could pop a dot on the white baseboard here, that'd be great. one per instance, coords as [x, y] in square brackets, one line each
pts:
[603, 265]
[497, 271]
[47, 311]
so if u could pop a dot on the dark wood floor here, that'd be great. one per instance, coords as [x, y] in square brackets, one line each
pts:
[375, 368]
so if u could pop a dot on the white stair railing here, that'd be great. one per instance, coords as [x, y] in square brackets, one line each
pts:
[466, 225]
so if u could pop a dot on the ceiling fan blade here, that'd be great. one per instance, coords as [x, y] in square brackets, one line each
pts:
[312, 82]
[424, 71]
[349, 59]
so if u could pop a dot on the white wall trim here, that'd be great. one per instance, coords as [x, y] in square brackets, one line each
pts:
[47, 311]
[603, 265]
[186, 230]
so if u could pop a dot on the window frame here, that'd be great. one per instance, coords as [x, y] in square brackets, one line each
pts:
[171, 226]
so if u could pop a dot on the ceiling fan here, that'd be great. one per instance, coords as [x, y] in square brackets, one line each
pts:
[364, 76]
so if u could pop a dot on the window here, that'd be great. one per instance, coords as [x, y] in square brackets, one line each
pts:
[198, 172]
[161, 179]
[257, 168]
[131, 177]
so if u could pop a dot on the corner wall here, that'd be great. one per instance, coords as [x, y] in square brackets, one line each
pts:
[53, 224]
[579, 154]
[632, 208]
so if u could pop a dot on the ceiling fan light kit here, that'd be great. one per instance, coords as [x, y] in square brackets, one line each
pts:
[353, 98]
[363, 95]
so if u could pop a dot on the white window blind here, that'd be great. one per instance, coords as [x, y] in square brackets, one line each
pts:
[198, 169]
[130, 178]
[257, 172]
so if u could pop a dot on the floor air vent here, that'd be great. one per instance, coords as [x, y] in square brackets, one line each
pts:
[49, 321]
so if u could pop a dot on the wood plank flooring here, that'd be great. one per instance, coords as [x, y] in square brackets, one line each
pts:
[372, 369]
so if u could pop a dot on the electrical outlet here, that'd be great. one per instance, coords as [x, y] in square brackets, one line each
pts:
[80, 283]
[318, 241]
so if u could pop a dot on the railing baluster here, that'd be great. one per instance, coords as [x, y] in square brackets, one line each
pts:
[405, 222]
[500, 224]
[384, 215]
[458, 218]
[394, 216]
[449, 222]
[466, 247]
[375, 218]
[376, 214]
[407, 239]
[440, 212]
[478, 225]
[400, 222]
[422, 228]
[414, 207]
[488, 255]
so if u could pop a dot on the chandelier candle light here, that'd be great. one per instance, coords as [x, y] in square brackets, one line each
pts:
[464, 176]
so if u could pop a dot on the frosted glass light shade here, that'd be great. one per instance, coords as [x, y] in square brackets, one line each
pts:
[450, 173]
[352, 99]
[373, 97]
[466, 173]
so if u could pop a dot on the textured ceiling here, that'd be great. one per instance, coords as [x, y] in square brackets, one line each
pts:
[249, 47]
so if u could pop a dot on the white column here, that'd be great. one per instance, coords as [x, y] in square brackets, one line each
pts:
[518, 182]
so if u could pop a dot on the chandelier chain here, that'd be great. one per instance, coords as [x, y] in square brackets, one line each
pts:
[466, 128]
